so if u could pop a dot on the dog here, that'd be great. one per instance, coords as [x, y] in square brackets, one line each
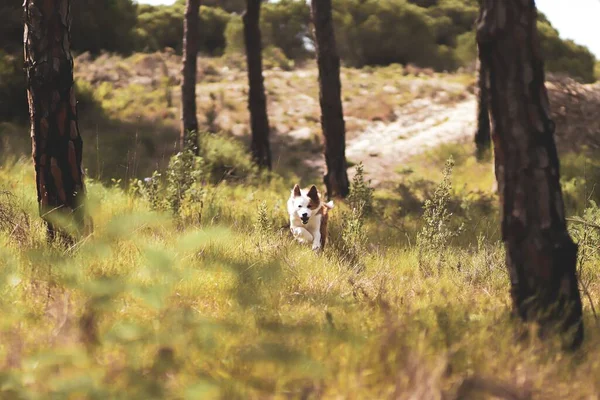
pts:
[308, 216]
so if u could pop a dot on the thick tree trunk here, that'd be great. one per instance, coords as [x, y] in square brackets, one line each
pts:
[482, 135]
[189, 121]
[257, 102]
[332, 115]
[540, 255]
[56, 142]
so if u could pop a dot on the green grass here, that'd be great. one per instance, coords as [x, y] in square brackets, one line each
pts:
[154, 305]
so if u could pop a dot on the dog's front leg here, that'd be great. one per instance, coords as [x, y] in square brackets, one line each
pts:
[316, 241]
[302, 235]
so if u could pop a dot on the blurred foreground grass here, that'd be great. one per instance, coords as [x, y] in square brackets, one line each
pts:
[216, 301]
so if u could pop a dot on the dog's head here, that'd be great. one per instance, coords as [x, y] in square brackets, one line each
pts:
[304, 204]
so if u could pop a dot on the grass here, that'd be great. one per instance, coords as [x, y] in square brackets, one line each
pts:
[156, 305]
[206, 296]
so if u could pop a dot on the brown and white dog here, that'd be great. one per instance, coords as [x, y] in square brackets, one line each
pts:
[308, 216]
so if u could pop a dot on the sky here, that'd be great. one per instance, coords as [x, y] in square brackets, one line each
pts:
[574, 19]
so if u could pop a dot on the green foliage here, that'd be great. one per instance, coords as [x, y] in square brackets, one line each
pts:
[234, 35]
[285, 25]
[274, 57]
[225, 158]
[352, 246]
[466, 48]
[108, 25]
[427, 33]
[162, 26]
[361, 193]
[184, 171]
[148, 188]
[436, 234]
[565, 56]
[231, 6]
[597, 71]
[263, 225]
[401, 31]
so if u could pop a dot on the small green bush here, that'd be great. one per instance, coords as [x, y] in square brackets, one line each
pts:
[361, 193]
[234, 35]
[436, 234]
[225, 158]
[274, 57]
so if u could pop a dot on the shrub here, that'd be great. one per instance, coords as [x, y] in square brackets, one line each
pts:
[274, 57]
[361, 194]
[224, 158]
[466, 48]
[234, 35]
[184, 170]
[436, 234]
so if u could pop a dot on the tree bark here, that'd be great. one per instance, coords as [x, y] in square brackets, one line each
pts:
[190, 69]
[332, 115]
[540, 255]
[56, 141]
[482, 135]
[257, 102]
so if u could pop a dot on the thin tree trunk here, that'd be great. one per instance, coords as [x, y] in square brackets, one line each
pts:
[190, 69]
[257, 102]
[540, 255]
[56, 141]
[332, 115]
[482, 135]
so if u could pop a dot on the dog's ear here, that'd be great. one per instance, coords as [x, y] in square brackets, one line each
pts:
[296, 191]
[313, 194]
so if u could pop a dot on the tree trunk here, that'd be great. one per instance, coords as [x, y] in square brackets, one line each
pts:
[257, 103]
[56, 141]
[540, 255]
[332, 115]
[482, 135]
[190, 69]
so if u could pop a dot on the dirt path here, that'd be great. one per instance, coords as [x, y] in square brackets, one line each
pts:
[383, 148]
[420, 126]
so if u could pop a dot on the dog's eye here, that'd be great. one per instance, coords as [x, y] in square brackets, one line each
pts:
[300, 206]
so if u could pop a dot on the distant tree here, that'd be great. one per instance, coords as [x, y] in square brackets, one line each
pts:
[235, 6]
[56, 141]
[540, 255]
[482, 134]
[257, 102]
[332, 115]
[190, 70]
[104, 25]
